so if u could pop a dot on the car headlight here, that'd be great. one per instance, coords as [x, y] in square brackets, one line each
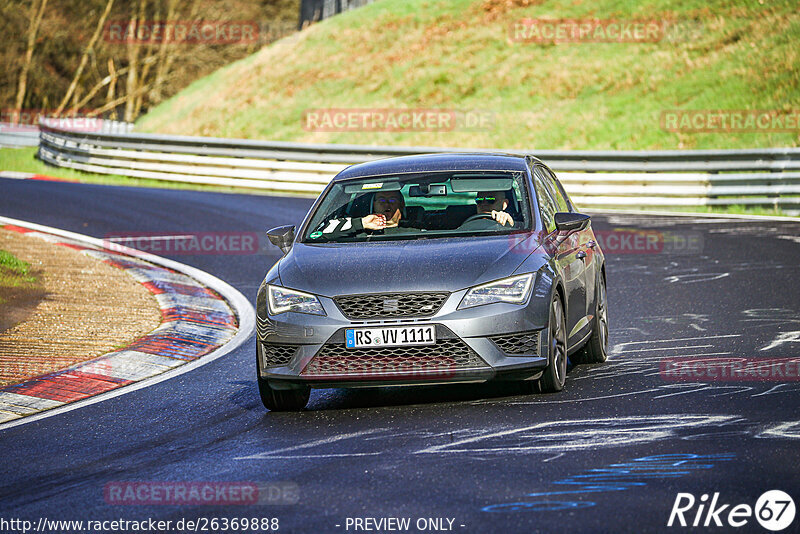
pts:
[282, 300]
[514, 290]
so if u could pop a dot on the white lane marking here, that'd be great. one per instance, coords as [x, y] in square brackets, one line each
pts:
[678, 339]
[740, 389]
[783, 337]
[698, 387]
[589, 434]
[16, 175]
[240, 305]
[695, 277]
[315, 443]
[550, 401]
[774, 390]
[684, 347]
[704, 354]
[790, 430]
[333, 455]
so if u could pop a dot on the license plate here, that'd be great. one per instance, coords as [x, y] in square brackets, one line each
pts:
[392, 336]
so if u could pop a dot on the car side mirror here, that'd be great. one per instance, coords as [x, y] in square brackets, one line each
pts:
[282, 237]
[567, 221]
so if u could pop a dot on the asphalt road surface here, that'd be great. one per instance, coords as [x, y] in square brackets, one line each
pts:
[610, 453]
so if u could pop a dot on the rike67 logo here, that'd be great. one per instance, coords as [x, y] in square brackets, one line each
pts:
[774, 511]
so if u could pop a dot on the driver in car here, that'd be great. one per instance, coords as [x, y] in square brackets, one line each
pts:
[387, 212]
[494, 203]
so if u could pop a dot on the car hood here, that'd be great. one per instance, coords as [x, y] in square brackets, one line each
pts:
[445, 264]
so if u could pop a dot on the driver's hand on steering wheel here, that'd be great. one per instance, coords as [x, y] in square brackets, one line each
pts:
[502, 217]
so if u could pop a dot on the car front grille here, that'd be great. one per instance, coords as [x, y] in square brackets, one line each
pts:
[440, 360]
[390, 305]
[277, 354]
[520, 343]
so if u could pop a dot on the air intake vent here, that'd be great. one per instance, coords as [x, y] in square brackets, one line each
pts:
[390, 305]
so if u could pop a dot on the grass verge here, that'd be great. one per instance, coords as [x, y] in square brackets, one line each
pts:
[16, 279]
[14, 272]
[461, 54]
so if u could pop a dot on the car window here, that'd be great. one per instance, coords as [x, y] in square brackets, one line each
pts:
[556, 193]
[431, 205]
[562, 200]
[547, 204]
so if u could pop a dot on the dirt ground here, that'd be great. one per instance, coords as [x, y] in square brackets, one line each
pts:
[80, 308]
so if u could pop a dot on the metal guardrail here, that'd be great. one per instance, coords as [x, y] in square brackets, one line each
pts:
[14, 135]
[22, 135]
[768, 177]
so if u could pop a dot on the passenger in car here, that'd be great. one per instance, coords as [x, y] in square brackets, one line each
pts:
[387, 213]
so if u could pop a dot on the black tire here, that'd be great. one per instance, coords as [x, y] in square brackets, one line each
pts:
[283, 400]
[596, 348]
[555, 375]
[280, 400]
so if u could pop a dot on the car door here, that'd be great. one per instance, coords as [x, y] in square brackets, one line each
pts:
[586, 245]
[565, 252]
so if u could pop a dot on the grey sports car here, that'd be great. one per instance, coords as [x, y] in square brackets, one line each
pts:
[432, 269]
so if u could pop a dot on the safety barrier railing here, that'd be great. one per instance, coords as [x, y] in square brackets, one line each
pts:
[766, 177]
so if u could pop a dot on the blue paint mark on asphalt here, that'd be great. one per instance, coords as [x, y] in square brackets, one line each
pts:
[615, 477]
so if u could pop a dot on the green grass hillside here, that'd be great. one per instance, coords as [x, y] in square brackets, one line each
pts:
[459, 54]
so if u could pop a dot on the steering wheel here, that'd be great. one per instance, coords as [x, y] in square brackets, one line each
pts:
[477, 217]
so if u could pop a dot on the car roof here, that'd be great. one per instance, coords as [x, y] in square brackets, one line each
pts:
[442, 162]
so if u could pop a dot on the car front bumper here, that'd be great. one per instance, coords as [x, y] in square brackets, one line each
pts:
[473, 345]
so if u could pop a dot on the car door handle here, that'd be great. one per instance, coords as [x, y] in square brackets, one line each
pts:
[581, 255]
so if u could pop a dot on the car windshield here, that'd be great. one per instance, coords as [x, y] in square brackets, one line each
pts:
[420, 206]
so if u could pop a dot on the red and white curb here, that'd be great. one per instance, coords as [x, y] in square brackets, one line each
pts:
[203, 318]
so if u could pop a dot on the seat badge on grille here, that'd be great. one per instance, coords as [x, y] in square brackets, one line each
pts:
[391, 305]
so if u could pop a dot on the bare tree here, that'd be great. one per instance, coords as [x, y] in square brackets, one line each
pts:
[85, 57]
[132, 80]
[33, 29]
[114, 103]
[148, 62]
[165, 55]
[111, 79]
[112, 71]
